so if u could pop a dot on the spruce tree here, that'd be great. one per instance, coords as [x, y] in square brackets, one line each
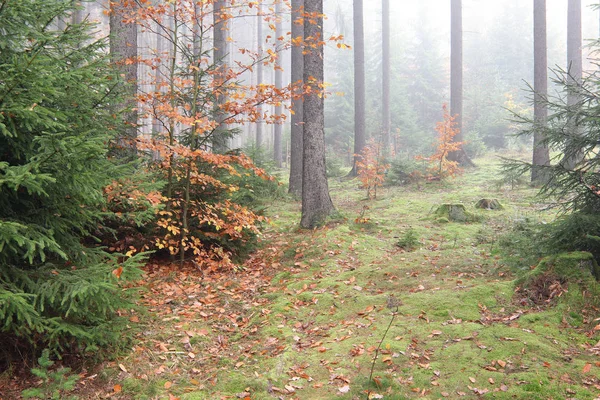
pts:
[56, 129]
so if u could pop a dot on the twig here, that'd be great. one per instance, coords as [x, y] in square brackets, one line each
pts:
[392, 302]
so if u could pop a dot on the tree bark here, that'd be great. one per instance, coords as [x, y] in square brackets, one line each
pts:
[277, 129]
[259, 73]
[575, 72]
[541, 153]
[297, 125]
[220, 53]
[456, 79]
[360, 140]
[385, 101]
[316, 202]
[123, 46]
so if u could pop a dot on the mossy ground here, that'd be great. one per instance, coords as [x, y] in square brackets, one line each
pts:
[313, 332]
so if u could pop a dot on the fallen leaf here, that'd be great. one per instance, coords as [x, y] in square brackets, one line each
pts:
[344, 389]
[117, 388]
[473, 380]
[501, 363]
[122, 367]
[168, 385]
[587, 368]
[117, 272]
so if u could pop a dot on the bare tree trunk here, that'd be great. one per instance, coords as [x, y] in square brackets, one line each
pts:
[123, 46]
[316, 202]
[541, 153]
[456, 79]
[277, 129]
[219, 139]
[297, 128]
[259, 73]
[360, 140]
[385, 101]
[575, 72]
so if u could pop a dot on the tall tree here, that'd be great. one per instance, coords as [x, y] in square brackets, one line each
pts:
[220, 53]
[277, 150]
[541, 154]
[456, 79]
[316, 202]
[360, 140]
[385, 101]
[259, 73]
[575, 72]
[297, 128]
[123, 47]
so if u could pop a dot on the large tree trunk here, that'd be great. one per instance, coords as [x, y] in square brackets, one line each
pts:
[277, 150]
[456, 79]
[316, 202]
[220, 53]
[123, 46]
[297, 128]
[541, 154]
[259, 73]
[360, 140]
[575, 66]
[385, 101]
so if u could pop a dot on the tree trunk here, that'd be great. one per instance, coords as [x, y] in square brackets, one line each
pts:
[297, 128]
[220, 53]
[456, 79]
[259, 73]
[123, 46]
[385, 101]
[277, 150]
[360, 140]
[541, 153]
[316, 202]
[574, 67]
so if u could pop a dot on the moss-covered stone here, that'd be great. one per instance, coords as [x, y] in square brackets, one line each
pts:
[489, 204]
[454, 213]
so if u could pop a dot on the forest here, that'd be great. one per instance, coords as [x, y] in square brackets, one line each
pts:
[299, 199]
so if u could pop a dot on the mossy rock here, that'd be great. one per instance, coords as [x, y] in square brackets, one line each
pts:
[489, 204]
[553, 273]
[454, 213]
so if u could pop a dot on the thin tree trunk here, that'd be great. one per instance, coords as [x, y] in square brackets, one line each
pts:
[360, 140]
[277, 129]
[541, 153]
[575, 72]
[297, 128]
[316, 202]
[123, 46]
[456, 79]
[385, 101]
[259, 74]
[219, 140]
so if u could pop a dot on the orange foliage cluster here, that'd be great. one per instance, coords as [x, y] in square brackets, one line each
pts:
[371, 168]
[441, 167]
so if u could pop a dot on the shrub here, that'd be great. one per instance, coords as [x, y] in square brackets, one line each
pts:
[56, 127]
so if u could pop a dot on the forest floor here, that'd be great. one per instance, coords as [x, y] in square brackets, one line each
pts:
[306, 315]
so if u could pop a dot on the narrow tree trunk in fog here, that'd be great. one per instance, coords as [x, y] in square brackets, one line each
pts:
[574, 67]
[78, 13]
[316, 202]
[259, 73]
[297, 128]
[277, 150]
[541, 154]
[385, 101]
[456, 79]
[360, 140]
[220, 52]
[123, 46]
